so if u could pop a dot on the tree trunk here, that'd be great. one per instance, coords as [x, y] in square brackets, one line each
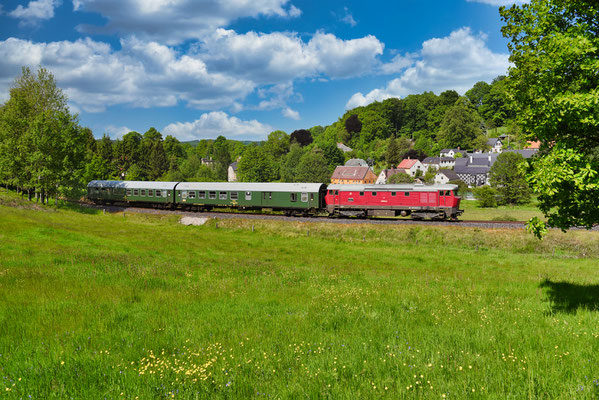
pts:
[29, 194]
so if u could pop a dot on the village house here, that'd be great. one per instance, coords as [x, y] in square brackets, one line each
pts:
[353, 175]
[495, 144]
[385, 174]
[209, 162]
[452, 152]
[232, 172]
[438, 163]
[444, 176]
[411, 166]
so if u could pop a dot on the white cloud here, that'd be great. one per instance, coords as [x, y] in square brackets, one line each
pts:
[35, 11]
[499, 2]
[289, 113]
[280, 57]
[173, 21]
[456, 62]
[348, 18]
[141, 74]
[117, 132]
[215, 123]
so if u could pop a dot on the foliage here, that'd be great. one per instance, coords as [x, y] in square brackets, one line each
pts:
[222, 158]
[486, 196]
[303, 137]
[400, 177]
[353, 124]
[256, 166]
[290, 163]
[313, 167]
[507, 177]
[462, 186]
[460, 126]
[555, 90]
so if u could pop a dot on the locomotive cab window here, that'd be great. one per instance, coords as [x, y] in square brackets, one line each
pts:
[293, 197]
[212, 195]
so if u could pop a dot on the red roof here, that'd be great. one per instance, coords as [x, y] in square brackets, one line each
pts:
[406, 164]
[345, 172]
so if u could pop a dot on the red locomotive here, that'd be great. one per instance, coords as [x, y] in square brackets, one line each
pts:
[416, 201]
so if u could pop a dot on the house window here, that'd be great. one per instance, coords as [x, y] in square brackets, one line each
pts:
[201, 195]
[293, 197]
[248, 195]
[222, 195]
[233, 195]
[142, 192]
[135, 192]
[304, 197]
[192, 195]
[128, 192]
[212, 195]
[150, 193]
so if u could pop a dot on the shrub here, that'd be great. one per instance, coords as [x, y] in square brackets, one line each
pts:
[486, 196]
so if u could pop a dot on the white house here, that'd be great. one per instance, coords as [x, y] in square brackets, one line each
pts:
[496, 145]
[411, 166]
[445, 175]
[438, 162]
[232, 172]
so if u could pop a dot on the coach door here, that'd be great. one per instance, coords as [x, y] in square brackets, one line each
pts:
[443, 197]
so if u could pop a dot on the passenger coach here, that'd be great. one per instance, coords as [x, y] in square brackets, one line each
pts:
[417, 201]
[159, 194]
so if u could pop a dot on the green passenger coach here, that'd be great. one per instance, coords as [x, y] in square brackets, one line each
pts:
[108, 192]
[292, 197]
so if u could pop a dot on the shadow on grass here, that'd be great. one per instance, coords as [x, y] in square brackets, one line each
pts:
[76, 207]
[567, 297]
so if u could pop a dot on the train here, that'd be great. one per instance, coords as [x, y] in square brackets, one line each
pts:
[416, 201]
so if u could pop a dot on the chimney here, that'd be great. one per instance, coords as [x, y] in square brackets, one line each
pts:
[489, 158]
[470, 159]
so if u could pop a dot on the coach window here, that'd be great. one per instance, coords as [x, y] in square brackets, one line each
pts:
[212, 195]
[248, 195]
[233, 195]
[151, 192]
[192, 195]
[293, 197]
[142, 192]
[201, 195]
[304, 197]
[128, 192]
[135, 192]
[222, 195]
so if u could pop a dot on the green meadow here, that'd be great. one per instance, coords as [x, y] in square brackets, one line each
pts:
[111, 306]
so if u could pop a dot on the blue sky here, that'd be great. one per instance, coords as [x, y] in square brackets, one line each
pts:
[243, 68]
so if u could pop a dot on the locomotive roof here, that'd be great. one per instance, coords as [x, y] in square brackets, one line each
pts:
[398, 188]
[251, 186]
[133, 184]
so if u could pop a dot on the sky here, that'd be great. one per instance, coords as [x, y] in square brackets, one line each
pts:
[196, 69]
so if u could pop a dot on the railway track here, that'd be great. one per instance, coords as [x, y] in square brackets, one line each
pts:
[275, 217]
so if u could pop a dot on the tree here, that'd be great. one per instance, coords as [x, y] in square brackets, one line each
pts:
[289, 165]
[400, 177]
[393, 153]
[302, 137]
[486, 196]
[353, 124]
[332, 155]
[256, 166]
[555, 90]
[222, 158]
[477, 93]
[313, 167]
[277, 144]
[41, 143]
[507, 178]
[461, 125]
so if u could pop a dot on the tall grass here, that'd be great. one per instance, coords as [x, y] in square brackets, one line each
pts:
[113, 306]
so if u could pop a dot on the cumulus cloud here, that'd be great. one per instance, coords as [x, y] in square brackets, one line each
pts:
[278, 57]
[117, 132]
[141, 74]
[289, 113]
[348, 18]
[499, 2]
[215, 123]
[35, 11]
[173, 21]
[453, 62]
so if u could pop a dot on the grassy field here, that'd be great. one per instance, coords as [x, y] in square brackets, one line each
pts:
[501, 213]
[97, 306]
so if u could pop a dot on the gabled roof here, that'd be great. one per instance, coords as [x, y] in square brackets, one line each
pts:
[450, 174]
[472, 170]
[349, 172]
[493, 141]
[233, 165]
[437, 160]
[526, 153]
[407, 164]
